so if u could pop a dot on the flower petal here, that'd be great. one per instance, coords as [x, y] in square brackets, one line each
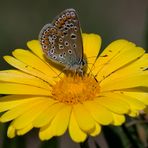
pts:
[16, 76]
[140, 96]
[35, 47]
[59, 129]
[113, 102]
[114, 57]
[54, 128]
[134, 68]
[118, 119]
[25, 106]
[91, 45]
[137, 80]
[11, 101]
[24, 130]
[131, 101]
[28, 69]
[48, 115]
[96, 131]
[32, 60]
[27, 117]
[99, 113]
[74, 130]
[11, 131]
[82, 117]
[13, 88]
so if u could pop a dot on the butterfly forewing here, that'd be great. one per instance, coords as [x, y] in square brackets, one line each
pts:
[61, 40]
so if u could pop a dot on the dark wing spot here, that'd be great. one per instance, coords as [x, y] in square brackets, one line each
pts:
[66, 43]
[74, 45]
[70, 51]
[73, 36]
[51, 51]
[54, 57]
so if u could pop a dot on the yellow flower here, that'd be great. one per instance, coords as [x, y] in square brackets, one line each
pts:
[115, 84]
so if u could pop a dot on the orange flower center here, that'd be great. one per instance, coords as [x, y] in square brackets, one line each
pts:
[75, 89]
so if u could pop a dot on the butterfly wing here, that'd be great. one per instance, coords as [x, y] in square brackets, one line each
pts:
[61, 40]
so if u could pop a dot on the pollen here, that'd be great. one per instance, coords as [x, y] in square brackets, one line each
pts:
[75, 89]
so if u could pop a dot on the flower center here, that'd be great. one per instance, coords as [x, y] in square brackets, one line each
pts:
[75, 89]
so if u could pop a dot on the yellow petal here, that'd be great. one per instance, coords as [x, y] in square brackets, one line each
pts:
[48, 115]
[11, 131]
[75, 132]
[140, 96]
[45, 134]
[99, 113]
[91, 45]
[11, 101]
[21, 77]
[82, 117]
[27, 117]
[136, 67]
[96, 131]
[61, 117]
[137, 80]
[10, 88]
[115, 56]
[35, 47]
[118, 119]
[113, 102]
[32, 60]
[20, 109]
[131, 101]
[133, 113]
[24, 130]
[49, 130]
[26, 68]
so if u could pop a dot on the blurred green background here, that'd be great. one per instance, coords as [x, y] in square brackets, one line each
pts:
[21, 21]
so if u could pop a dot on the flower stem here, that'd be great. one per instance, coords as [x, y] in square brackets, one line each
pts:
[84, 144]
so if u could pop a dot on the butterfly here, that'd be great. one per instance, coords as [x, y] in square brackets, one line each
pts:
[61, 41]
